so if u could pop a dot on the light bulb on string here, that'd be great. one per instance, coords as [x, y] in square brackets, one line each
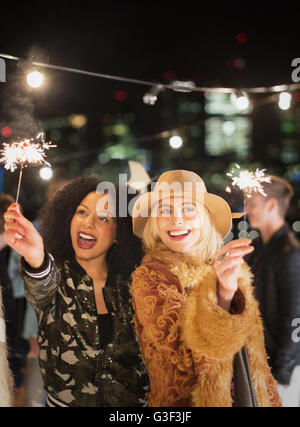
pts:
[150, 97]
[183, 86]
[175, 142]
[35, 79]
[240, 100]
[284, 100]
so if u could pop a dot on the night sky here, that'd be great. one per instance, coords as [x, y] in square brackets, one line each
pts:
[143, 40]
[154, 41]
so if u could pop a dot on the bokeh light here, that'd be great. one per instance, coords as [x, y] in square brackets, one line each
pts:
[35, 79]
[175, 142]
[6, 131]
[284, 100]
[46, 173]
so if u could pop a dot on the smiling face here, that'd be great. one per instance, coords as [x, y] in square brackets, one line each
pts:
[92, 229]
[179, 224]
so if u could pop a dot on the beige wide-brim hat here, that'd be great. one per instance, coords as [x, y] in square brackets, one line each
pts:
[189, 186]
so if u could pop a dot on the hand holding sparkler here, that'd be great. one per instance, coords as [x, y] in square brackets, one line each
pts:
[21, 235]
[228, 263]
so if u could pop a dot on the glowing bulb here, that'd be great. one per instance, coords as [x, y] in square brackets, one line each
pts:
[150, 97]
[242, 102]
[46, 173]
[183, 86]
[35, 79]
[175, 142]
[284, 100]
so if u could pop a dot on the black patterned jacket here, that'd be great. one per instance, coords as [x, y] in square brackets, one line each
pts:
[75, 369]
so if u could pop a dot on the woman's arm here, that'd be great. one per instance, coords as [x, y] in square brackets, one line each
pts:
[208, 328]
[21, 235]
[40, 283]
[37, 268]
[229, 261]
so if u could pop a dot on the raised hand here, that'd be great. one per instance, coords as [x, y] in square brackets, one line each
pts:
[21, 235]
[228, 262]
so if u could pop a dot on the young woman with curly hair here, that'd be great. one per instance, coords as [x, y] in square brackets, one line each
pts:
[77, 277]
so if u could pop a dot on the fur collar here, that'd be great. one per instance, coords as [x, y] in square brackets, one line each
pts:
[189, 269]
[216, 334]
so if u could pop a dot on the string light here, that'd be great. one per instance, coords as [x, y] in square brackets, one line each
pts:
[183, 86]
[35, 79]
[241, 100]
[150, 97]
[176, 87]
[284, 100]
[175, 142]
[180, 86]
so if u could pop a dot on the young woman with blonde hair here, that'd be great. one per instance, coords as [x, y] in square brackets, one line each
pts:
[199, 326]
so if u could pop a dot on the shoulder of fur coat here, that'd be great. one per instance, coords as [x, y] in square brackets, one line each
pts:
[209, 330]
[6, 379]
[206, 327]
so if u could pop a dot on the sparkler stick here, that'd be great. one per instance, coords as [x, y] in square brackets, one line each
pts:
[19, 184]
[249, 183]
[23, 153]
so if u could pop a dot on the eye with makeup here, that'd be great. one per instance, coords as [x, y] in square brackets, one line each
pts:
[105, 217]
[81, 211]
[164, 211]
[189, 210]
[102, 218]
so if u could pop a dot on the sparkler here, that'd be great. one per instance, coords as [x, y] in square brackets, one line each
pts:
[248, 182]
[23, 153]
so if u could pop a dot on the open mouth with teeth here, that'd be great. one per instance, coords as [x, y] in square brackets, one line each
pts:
[178, 234]
[86, 241]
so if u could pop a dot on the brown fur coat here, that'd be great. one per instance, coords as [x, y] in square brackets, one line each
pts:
[188, 342]
[6, 380]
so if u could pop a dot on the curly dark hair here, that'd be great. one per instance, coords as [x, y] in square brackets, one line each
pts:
[56, 217]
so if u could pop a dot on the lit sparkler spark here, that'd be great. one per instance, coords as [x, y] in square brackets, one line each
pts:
[249, 182]
[23, 153]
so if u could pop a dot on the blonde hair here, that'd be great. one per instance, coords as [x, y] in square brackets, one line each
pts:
[206, 247]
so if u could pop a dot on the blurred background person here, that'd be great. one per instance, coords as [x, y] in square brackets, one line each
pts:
[275, 263]
[6, 379]
[18, 347]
